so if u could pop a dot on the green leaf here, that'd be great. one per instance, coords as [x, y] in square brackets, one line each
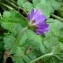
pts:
[52, 42]
[46, 6]
[14, 16]
[18, 43]
[13, 21]
[36, 41]
[55, 4]
[19, 46]
[20, 3]
[27, 6]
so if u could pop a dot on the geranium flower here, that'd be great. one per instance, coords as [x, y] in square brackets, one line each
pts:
[37, 22]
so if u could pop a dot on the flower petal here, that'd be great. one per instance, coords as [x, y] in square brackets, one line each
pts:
[40, 19]
[39, 32]
[36, 14]
[42, 29]
[42, 25]
[32, 13]
[29, 17]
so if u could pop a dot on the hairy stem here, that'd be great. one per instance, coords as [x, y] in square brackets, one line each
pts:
[11, 4]
[18, 37]
[57, 17]
[9, 7]
[41, 57]
[16, 7]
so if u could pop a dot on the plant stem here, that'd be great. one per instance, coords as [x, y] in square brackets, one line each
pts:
[11, 4]
[18, 37]
[13, 1]
[57, 17]
[16, 7]
[43, 56]
[6, 6]
[5, 58]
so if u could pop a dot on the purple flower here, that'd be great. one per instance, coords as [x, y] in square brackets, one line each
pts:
[37, 21]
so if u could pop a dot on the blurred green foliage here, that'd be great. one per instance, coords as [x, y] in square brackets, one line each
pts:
[26, 46]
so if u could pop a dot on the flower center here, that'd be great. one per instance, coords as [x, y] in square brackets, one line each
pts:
[31, 25]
